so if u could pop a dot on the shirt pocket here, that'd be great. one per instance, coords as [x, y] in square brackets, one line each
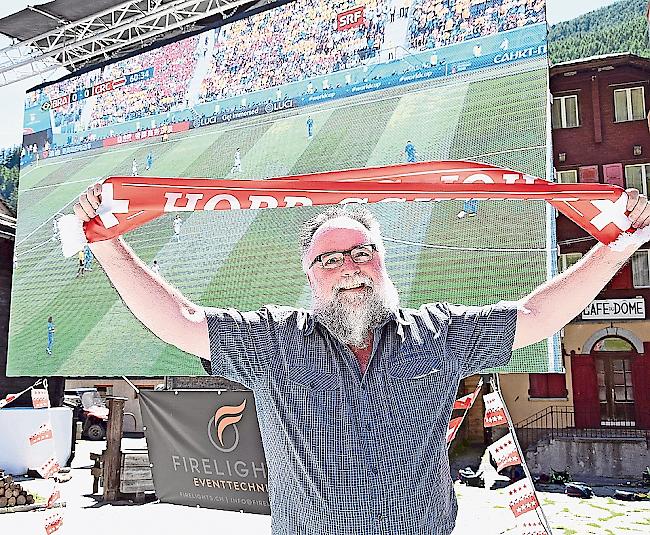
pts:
[413, 366]
[314, 380]
[317, 395]
[417, 380]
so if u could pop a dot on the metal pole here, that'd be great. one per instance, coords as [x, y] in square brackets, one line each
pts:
[494, 380]
[135, 388]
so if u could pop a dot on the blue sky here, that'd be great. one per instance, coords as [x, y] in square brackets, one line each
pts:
[11, 97]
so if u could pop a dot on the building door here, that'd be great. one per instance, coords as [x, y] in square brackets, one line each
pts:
[615, 390]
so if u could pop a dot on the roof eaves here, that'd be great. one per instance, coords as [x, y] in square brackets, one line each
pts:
[593, 62]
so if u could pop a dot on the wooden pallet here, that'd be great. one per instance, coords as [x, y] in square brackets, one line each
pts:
[136, 480]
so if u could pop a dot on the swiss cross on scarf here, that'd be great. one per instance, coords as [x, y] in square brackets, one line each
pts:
[129, 202]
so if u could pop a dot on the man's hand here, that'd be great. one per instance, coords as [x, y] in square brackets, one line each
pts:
[89, 201]
[639, 208]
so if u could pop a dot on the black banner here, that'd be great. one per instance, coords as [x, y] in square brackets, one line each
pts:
[206, 449]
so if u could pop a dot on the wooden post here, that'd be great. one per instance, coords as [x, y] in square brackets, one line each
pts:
[113, 453]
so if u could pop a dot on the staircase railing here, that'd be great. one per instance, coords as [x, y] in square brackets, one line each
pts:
[555, 422]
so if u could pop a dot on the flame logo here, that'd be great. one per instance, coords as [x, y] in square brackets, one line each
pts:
[224, 417]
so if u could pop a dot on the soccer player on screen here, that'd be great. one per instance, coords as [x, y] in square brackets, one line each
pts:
[470, 208]
[176, 224]
[410, 152]
[50, 335]
[81, 259]
[237, 165]
[354, 395]
[88, 259]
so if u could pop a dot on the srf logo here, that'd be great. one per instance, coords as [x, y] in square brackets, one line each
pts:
[222, 428]
[353, 18]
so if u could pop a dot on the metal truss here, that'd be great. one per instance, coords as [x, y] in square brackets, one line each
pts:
[7, 226]
[105, 35]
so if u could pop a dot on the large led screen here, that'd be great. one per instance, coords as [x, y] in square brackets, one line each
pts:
[306, 86]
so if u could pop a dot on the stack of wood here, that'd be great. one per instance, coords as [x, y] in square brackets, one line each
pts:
[12, 494]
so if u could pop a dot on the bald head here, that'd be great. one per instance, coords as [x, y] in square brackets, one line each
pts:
[337, 217]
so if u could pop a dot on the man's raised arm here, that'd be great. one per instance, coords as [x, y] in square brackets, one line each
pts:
[160, 307]
[554, 304]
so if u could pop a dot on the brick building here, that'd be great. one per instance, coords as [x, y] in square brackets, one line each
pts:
[600, 130]
[600, 134]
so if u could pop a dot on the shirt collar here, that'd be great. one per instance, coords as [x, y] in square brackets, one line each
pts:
[307, 321]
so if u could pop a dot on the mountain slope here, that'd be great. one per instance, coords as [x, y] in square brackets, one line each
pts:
[620, 27]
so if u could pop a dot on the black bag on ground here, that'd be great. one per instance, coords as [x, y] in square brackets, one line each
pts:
[578, 490]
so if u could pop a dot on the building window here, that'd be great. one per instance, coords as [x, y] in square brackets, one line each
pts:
[629, 104]
[564, 112]
[641, 269]
[567, 260]
[613, 343]
[547, 385]
[105, 391]
[567, 177]
[638, 176]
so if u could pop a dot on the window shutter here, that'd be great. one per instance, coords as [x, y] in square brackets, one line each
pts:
[538, 385]
[547, 385]
[588, 173]
[623, 278]
[613, 174]
[556, 385]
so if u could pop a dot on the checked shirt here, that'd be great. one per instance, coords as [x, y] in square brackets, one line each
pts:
[353, 454]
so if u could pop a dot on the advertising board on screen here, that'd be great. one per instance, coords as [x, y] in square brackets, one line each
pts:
[307, 86]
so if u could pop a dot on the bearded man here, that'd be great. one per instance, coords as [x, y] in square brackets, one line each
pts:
[354, 397]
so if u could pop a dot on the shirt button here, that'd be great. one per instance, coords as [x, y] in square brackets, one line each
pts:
[368, 427]
[374, 470]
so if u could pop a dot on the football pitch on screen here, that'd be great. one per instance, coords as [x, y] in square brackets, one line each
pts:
[246, 259]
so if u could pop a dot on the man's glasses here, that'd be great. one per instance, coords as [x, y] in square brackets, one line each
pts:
[359, 255]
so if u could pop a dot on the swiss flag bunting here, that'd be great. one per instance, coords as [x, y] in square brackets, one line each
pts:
[466, 402]
[44, 432]
[504, 452]
[49, 468]
[40, 398]
[53, 523]
[452, 429]
[54, 497]
[495, 413]
[521, 497]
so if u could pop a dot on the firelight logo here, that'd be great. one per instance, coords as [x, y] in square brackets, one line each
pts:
[225, 417]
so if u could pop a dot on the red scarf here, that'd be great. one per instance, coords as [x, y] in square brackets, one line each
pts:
[129, 202]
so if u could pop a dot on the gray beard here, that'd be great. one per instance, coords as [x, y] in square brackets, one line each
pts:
[352, 325]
